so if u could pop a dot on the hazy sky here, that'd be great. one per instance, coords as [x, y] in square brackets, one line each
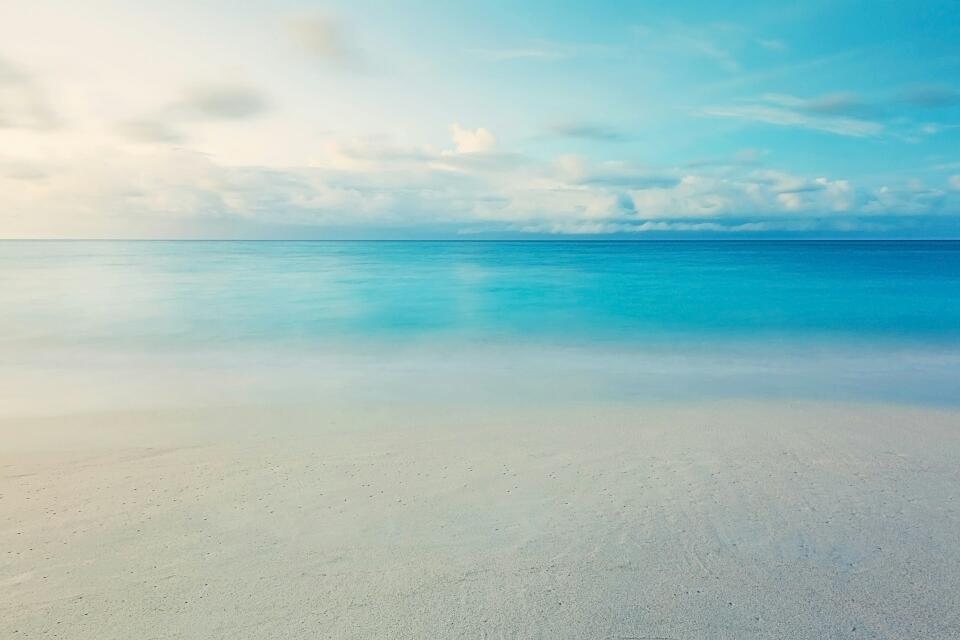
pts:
[478, 119]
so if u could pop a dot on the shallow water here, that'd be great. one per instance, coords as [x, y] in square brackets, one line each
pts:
[824, 320]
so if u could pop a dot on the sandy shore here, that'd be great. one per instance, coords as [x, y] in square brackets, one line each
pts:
[722, 520]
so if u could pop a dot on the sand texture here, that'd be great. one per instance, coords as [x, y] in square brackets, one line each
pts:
[720, 520]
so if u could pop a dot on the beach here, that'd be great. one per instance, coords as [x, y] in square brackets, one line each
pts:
[479, 440]
[373, 320]
[725, 519]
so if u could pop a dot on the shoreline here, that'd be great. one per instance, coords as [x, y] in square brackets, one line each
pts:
[64, 382]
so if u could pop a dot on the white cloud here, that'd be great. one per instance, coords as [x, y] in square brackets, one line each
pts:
[757, 193]
[472, 140]
[373, 183]
[570, 168]
[910, 199]
[787, 111]
[954, 182]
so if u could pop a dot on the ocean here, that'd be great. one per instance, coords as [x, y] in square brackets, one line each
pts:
[872, 320]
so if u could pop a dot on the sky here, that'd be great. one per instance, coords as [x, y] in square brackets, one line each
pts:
[495, 119]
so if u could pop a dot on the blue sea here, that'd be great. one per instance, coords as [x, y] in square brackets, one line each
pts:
[873, 320]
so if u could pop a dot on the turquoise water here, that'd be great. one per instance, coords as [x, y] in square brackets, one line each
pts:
[556, 292]
[892, 309]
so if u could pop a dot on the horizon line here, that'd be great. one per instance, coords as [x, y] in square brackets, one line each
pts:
[493, 240]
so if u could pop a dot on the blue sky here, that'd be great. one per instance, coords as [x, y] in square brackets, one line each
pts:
[494, 119]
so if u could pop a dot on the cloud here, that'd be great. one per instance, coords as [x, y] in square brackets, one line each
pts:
[542, 50]
[930, 95]
[649, 226]
[825, 113]
[588, 131]
[954, 182]
[22, 170]
[531, 53]
[370, 153]
[720, 44]
[219, 102]
[744, 157]
[710, 50]
[842, 103]
[772, 44]
[372, 184]
[846, 113]
[198, 104]
[911, 199]
[325, 38]
[574, 170]
[472, 141]
[147, 130]
[758, 193]
[22, 103]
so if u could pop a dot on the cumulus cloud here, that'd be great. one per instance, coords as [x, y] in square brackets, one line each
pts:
[911, 199]
[375, 184]
[472, 140]
[22, 103]
[759, 192]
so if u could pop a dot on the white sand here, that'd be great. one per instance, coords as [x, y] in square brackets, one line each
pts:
[724, 520]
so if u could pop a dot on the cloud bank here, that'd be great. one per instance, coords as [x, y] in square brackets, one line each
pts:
[468, 187]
